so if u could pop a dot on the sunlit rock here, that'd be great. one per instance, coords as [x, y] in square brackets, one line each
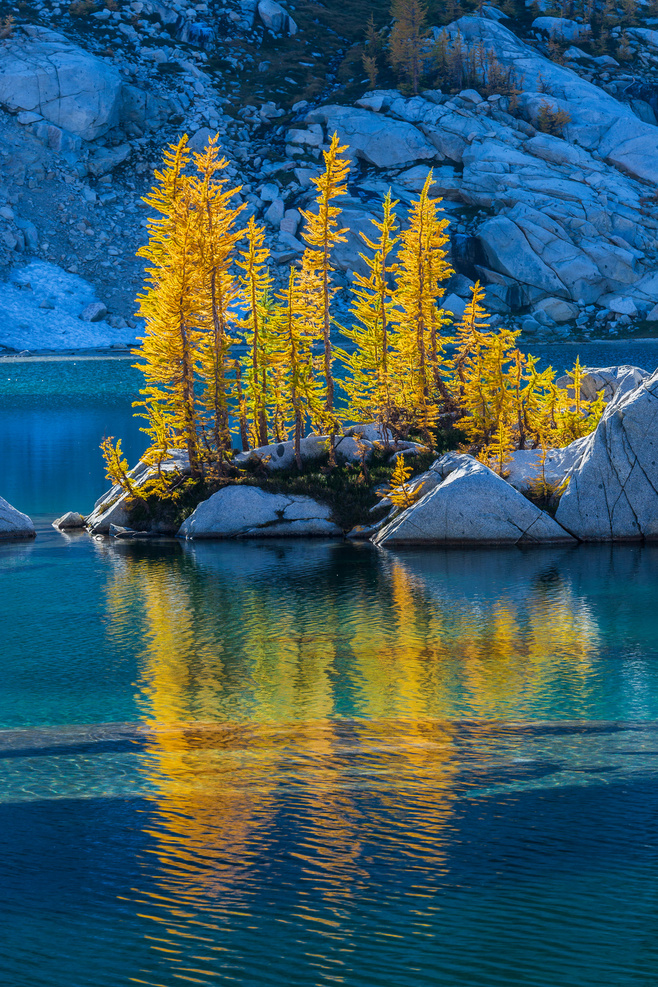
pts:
[69, 521]
[242, 511]
[42, 71]
[613, 493]
[472, 505]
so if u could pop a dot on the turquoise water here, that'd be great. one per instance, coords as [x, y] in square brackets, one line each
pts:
[313, 764]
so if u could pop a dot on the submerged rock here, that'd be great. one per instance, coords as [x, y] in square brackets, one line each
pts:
[14, 524]
[472, 505]
[241, 511]
[613, 492]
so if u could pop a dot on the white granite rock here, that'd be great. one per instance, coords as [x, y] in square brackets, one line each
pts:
[472, 505]
[69, 521]
[524, 469]
[562, 28]
[377, 140]
[613, 381]
[242, 511]
[276, 18]
[14, 524]
[613, 492]
[42, 71]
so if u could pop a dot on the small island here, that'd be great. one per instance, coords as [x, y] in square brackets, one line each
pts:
[416, 429]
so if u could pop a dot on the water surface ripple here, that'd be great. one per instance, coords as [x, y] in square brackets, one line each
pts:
[314, 764]
[324, 764]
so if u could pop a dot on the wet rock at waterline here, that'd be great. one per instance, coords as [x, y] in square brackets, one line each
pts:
[249, 512]
[472, 505]
[69, 521]
[14, 524]
[613, 492]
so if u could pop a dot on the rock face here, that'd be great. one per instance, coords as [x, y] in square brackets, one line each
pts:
[281, 455]
[472, 505]
[613, 492]
[611, 380]
[249, 512]
[381, 142]
[42, 71]
[69, 521]
[525, 467]
[13, 524]
[598, 121]
[275, 18]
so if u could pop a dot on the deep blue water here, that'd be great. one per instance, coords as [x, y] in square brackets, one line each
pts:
[312, 764]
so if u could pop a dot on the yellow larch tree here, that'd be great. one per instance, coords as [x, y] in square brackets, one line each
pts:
[408, 39]
[298, 387]
[256, 286]
[218, 290]
[169, 305]
[469, 337]
[419, 363]
[322, 233]
[368, 385]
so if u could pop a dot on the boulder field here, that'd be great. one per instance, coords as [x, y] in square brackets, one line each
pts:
[560, 226]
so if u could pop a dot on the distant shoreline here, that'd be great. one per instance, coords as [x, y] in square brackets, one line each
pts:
[127, 354]
[50, 357]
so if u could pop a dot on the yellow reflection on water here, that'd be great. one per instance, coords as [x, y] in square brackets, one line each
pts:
[326, 700]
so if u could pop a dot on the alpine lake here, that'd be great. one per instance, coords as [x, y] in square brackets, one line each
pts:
[313, 764]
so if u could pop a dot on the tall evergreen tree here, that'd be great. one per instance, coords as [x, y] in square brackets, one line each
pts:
[169, 305]
[256, 285]
[218, 290]
[322, 233]
[368, 385]
[419, 358]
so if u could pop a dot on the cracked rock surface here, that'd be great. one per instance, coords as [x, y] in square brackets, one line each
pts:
[613, 492]
[471, 505]
[249, 512]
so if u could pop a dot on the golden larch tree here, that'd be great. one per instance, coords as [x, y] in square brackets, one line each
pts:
[169, 305]
[368, 385]
[408, 39]
[256, 285]
[322, 233]
[219, 290]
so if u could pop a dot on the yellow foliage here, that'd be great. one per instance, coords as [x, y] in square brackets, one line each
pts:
[322, 233]
[204, 293]
[170, 304]
[369, 385]
[417, 363]
[400, 493]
